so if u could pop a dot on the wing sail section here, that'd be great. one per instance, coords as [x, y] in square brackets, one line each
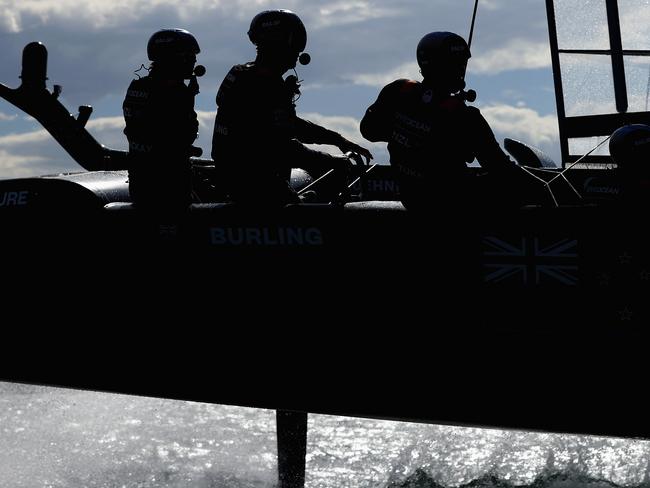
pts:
[601, 69]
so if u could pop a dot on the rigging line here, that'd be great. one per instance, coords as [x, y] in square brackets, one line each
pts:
[315, 182]
[572, 187]
[561, 173]
[546, 184]
[527, 170]
[349, 187]
[542, 170]
[471, 30]
[647, 93]
[361, 176]
[545, 170]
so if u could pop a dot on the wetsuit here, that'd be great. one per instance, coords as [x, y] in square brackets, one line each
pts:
[430, 141]
[258, 137]
[161, 126]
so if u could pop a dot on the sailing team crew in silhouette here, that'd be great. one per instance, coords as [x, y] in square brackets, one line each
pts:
[258, 138]
[432, 133]
[161, 124]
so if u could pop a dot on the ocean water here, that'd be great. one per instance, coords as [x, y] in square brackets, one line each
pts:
[58, 438]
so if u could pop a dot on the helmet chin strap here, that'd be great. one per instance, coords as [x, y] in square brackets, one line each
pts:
[460, 92]
[459, 86]
[292, 80]
[457, 90]
[293, 85]
[444, 86]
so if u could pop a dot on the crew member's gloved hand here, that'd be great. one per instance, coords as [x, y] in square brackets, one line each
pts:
[356, 159]
[196, 151]
[349, 146]
[343, 163]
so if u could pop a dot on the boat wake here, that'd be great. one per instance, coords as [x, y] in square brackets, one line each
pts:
[565, 479]
[81, 439]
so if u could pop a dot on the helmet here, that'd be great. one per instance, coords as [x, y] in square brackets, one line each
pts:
[629, 147]
[280, 29]
[169, 43]
[445, 55]
[438, 48]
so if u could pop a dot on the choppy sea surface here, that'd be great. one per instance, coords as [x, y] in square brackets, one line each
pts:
[58, 438]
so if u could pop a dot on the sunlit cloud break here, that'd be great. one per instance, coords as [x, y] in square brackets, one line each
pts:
[100, 125]
[36, 152]
[21, 150]
[518, 54]
[348, 12]
[6, 117]
[408, 70]
[349, 128]
[526, 125]
[514, 56]
[522, 122]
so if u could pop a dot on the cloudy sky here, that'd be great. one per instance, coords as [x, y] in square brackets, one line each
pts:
[357, 46]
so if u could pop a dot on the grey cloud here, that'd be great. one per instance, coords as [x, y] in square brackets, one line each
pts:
[94, 46]
[95, 59]
[6, 117]
[17, 166]
[349, 128]
[379, 45]
[526, 125]
[516, 54]
[35, 152]
[36, 158]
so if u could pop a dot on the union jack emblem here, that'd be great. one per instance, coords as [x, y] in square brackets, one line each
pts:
[530, 261]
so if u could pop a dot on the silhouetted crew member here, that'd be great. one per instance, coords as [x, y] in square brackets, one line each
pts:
[257, 136]
[629, 147]
[161, 124]
[432, 133]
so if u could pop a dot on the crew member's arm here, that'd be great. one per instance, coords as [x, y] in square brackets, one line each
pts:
[376, 124]
[491, 157]
[176, 122]
[310, 133]
[488, 152]
[238, 120]
[188, 123]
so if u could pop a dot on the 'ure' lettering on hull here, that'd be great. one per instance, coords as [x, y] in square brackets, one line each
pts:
[13, 198]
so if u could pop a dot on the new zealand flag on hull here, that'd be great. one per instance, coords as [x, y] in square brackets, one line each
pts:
[530, 260]
[592, 278]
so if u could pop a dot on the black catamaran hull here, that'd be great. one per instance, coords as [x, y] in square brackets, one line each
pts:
[354, 310]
